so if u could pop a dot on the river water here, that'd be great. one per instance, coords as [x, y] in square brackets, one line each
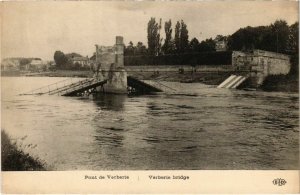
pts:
[202, 128]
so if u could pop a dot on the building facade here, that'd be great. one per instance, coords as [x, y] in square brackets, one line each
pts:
[10, 64]
[82, 61]
[37, 64]
[221, 45]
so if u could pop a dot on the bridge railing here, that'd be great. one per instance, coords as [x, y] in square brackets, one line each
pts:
[51, 87]
[75, 86]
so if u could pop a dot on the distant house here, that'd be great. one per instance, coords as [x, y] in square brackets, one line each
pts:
[83, 61]
[93, 57]
[221, 45]
[37, 64]
[10, 64]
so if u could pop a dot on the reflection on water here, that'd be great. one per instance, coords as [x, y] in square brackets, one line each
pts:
[110, 101]
[203, 128]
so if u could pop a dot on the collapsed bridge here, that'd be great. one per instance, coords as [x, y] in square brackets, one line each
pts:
[69, 87]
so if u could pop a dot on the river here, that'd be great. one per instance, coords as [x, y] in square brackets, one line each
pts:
[202, 128]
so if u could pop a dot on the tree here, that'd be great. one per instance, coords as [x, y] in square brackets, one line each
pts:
[280, 32]
[158, 40]
[140, 49]
[207, 45]
[244, 39]
[76, 66]
[177, 37]
[293, 41]
[271, 38]
[194, 45]
[167, 47]
[293, 48]
[24, 61]
[129, 50]
[184, 37]
[181, 37]
[60, 59]
[153, 36]
[221, 38]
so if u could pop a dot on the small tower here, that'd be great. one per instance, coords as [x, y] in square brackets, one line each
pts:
[119, 49]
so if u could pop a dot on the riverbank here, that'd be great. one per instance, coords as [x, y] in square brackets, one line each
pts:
[206, 74]
[57, 73]
[69, 73]
[15, 159]
[282, 83]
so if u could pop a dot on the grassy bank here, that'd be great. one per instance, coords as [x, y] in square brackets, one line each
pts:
[282, 83]
[15, 159]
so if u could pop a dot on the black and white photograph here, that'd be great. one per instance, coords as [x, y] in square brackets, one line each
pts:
[149, 85]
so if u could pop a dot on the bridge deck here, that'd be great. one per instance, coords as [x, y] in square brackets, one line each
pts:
[82, 88]
[79, 87]
[141, 86]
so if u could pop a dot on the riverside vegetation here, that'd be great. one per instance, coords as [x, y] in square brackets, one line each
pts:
[15, 159]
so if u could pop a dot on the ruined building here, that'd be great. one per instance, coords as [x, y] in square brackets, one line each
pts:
[261, 64]
[109, 64]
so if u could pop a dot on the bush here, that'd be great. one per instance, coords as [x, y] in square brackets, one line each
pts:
[14, 159]
[294, 65]
[286, 83]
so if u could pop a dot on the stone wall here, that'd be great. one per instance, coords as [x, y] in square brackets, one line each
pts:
[269, 63]
[261, 63]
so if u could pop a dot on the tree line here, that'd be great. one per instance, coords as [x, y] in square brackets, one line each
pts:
[276, 37]
[169, 45]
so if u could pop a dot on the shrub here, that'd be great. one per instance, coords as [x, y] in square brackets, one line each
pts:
[14, 159]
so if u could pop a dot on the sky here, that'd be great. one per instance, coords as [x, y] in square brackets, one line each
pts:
[38, 29]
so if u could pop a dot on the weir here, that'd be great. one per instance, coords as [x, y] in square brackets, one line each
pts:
[232, 82]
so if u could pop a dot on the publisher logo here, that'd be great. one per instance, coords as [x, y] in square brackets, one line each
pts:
[279, 182]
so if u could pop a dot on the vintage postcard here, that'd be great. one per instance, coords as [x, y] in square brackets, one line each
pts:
[149, 97]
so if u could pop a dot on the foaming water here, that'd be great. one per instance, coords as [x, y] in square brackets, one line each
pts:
[201, 127]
